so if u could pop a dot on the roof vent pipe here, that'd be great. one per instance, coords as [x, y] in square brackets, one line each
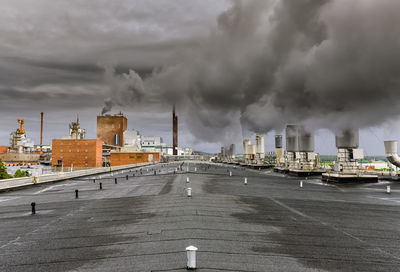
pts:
[191, 257]
[391, 153]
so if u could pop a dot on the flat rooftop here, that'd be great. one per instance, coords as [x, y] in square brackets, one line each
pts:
[146, 222]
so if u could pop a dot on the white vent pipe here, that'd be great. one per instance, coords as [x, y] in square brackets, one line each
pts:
[191, 257]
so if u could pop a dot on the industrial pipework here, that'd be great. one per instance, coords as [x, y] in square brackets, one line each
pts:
[391, 152]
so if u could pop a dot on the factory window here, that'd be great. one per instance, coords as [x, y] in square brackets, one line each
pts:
[112, 125]
[61, 143]
[85, 157]
[86, 150]
[77, 150]
[70, 150]
[61, 150]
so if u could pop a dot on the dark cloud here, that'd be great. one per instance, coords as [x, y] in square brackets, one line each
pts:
[326, 64]
[230, 67]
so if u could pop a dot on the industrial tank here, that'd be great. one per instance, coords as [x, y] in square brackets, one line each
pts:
[292, 139]
[260, 146]
[246, 143]
[348, 138]
[278, 141]
[306, 140]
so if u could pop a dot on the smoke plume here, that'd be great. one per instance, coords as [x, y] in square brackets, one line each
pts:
[326, 64]
[127, 88]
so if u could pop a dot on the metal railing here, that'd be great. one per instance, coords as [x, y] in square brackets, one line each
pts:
[26, 181]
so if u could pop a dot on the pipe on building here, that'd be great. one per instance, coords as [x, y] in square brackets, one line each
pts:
[391, 152]
[41, 129]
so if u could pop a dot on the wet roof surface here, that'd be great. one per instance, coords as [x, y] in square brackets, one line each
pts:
[146, 222]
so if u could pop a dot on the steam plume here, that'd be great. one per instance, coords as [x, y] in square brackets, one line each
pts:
[326, 64]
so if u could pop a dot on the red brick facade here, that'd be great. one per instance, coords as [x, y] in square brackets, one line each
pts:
[110, 125]
[79, 153]
[3, 149]
[124, 158]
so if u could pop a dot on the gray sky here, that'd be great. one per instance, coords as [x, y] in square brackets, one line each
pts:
[232, 67]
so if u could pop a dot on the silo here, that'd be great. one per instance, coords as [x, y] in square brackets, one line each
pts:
[348, 138]
[292, 139]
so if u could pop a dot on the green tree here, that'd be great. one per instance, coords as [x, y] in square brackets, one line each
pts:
[3, 171]
[20, 174]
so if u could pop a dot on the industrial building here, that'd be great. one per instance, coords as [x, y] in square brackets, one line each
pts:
[110, 129]
[254, 154]
[347, 169]
[227, 153]
[76, 153]
[132, 141]
[3, 149]
[75, 131]
[21, 148]
[124, 158]
[300, 159]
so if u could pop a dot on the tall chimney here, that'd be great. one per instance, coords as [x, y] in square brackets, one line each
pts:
[41, 129]
[174, 132]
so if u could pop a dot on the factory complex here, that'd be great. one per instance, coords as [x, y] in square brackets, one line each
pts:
[300, 159]
[115, 145]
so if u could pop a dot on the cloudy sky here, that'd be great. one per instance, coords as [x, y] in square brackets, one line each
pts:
[233, 68]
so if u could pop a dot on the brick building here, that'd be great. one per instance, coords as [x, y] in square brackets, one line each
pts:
[124, 158]
[110, 129]
[79, 153]
[3, 149]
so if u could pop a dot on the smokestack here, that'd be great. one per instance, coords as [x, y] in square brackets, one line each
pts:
[292, 139]
[174, 132]
[41, 129]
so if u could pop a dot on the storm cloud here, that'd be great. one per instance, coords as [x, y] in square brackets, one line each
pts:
[230, 67]
[327, 64]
